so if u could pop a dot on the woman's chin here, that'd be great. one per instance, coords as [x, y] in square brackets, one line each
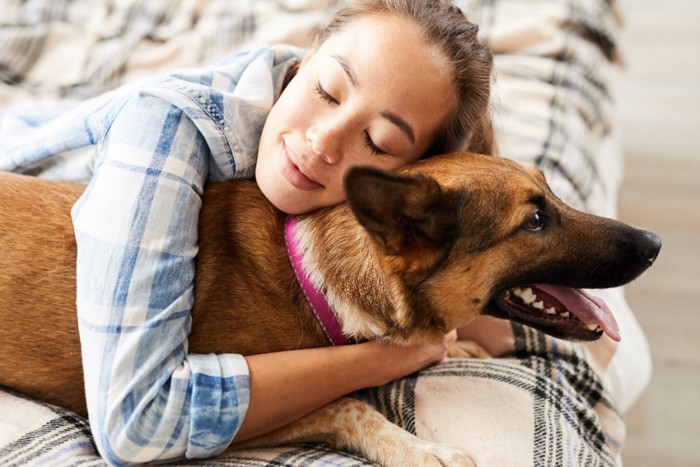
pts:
[283, 200]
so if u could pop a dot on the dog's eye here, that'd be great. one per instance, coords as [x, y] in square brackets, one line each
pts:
[536, 221]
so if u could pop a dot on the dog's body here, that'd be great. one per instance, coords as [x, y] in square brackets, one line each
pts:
[408, 258]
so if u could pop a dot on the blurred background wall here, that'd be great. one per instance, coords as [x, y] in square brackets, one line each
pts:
[659, 104]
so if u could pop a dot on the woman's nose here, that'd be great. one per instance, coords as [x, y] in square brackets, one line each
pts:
[324, 141]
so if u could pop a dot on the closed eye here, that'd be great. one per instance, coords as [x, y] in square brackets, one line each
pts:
[323, 94]
[373, 148]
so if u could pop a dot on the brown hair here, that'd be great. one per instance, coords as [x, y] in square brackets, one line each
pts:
[444, 25]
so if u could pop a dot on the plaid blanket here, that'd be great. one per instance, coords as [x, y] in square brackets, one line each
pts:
[540, 401]
[540, 405]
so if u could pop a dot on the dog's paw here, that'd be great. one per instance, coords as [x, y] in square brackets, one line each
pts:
[441, 455]
[467, 349]
[401, 449]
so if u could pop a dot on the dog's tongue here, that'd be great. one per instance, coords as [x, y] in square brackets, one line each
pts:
[587, 308]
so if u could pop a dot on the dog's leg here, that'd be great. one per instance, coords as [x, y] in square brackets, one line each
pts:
[351, 424]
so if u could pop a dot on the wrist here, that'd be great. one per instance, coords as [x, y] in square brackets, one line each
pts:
[384, 362]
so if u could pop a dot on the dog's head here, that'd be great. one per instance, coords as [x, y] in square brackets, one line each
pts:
[463, 234]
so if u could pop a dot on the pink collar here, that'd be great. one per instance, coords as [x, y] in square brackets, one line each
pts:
[316, 298]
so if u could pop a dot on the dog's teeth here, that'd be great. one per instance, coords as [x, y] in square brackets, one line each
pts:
[565, 314]
[538, 305]
[526, 295]
[592, 327]
[551, 311]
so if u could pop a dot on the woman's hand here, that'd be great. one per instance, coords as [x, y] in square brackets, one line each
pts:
[285, 386]
[396, 361]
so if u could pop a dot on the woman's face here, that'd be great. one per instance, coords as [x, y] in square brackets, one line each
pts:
[373, 94]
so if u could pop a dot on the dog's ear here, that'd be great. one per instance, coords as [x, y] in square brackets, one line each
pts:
[402, 213]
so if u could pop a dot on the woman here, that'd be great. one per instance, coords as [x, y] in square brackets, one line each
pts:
[386, 83]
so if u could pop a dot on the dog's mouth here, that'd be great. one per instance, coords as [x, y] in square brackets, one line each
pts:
[559, 311]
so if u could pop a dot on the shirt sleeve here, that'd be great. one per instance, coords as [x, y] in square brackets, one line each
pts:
[136, 230]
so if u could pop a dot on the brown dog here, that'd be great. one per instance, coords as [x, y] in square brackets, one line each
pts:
[409, 257]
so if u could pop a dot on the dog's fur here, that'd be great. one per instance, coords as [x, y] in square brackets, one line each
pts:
[409, 257]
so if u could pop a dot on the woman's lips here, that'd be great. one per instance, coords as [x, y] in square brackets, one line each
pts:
[293, 174]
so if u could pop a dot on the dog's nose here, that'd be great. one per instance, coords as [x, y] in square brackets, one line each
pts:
[649, 245]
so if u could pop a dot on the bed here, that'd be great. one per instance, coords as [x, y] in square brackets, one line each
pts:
[539, 401]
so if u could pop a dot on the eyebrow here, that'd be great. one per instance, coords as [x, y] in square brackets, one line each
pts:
[401, 123]
[347, 68]
[392, 117]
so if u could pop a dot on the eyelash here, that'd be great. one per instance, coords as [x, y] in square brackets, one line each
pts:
[373, 147]
[323, 94]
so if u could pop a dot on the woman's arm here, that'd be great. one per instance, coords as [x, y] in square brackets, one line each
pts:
[136, 230]
[285, 386]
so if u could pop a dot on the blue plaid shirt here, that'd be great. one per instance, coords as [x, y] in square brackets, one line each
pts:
[146, 151]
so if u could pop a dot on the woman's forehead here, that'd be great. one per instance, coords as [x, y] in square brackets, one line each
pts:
[388, 58]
